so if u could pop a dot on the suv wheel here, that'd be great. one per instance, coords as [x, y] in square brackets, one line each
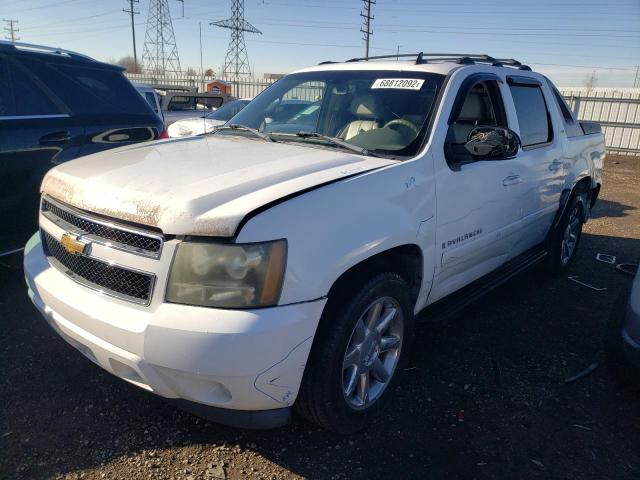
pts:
[358, 353]
[566, 238]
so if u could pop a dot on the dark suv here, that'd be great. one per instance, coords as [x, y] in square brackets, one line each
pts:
[55, 106]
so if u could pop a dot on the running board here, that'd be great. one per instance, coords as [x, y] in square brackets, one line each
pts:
[452, 304]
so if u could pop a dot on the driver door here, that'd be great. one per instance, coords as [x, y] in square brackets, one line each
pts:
[478, 202]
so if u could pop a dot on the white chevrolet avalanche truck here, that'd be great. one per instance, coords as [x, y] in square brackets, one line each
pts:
[271, 267]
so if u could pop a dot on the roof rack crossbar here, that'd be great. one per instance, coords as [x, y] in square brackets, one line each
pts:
[461, 58]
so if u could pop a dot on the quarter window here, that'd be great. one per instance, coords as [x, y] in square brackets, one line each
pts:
[533, 116]
[571, 127]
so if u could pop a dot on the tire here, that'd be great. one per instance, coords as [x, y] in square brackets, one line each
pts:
[624, 372]
[566, 238]
[328, 396]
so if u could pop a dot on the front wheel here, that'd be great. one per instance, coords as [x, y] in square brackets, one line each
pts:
[565, 239]
[359, 350]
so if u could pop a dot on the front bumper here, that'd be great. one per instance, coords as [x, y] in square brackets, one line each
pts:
[242, 360]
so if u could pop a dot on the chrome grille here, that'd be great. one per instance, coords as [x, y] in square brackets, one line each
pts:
[103, 231]
[113, 280]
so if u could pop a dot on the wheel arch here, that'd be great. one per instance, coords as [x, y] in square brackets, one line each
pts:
[406, 260]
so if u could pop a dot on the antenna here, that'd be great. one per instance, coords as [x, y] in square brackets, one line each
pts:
[160, 55]
[236, 62]
[11, 29]
[366, 24]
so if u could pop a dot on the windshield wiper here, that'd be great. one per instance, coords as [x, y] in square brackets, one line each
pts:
[327, 138]
[235, 126]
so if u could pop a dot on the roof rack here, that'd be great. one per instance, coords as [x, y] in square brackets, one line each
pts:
[460, 58]
[4, 44]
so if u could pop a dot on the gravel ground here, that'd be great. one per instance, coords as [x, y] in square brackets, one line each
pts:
[484, 397]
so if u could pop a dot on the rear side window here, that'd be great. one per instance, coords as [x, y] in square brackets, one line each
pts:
[150, 97]
[105, 91]
[571, 126]
[85, 89]
[6, 95]
[533, 116]
[29, 98]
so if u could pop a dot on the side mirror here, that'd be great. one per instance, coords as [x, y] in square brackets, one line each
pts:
[492, 143]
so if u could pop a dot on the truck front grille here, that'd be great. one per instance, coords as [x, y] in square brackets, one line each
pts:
[101, 230]
[114, 280]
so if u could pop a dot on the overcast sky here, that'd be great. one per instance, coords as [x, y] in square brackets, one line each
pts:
[565, 39]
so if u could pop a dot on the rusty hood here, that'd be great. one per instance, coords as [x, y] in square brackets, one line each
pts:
[199, 185]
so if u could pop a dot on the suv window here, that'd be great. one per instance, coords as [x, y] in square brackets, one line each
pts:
[571, 126]
[533, 116]
[150, 97]
[85, 89]
[482, 106]
[29, 98]
[6, 95]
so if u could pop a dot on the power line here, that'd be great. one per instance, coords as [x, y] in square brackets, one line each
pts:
[11, 29]
[132, 11]
[366, 24]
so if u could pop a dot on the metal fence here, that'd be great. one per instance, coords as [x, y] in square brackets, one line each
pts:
[242, 88]
[616, 109]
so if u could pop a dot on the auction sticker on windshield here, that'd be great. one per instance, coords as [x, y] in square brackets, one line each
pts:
[403, 83]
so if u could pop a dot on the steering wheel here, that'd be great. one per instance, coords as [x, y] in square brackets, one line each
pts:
[402, 122]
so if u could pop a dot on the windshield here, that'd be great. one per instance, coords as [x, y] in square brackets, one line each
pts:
[384, 112]
[228, 110]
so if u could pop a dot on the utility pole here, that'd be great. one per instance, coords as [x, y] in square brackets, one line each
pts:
[636, 79]
[133, 12]
[182, 2]
[398, 53]
[11, 29]
[366, 24]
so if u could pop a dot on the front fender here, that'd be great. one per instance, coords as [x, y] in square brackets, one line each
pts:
[335, 227]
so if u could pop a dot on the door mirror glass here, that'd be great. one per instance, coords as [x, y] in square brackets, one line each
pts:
[492, 143]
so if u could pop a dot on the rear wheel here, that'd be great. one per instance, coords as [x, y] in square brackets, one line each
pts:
[359, 350]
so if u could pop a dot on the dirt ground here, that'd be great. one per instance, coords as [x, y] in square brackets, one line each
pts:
[485, 396]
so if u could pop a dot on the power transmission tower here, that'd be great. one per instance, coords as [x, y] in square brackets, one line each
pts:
[366, 24]
[11, 29]
[236, 62]
[160, 54]
[132, 11]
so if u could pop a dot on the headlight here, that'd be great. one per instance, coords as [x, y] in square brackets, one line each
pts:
[227, 275]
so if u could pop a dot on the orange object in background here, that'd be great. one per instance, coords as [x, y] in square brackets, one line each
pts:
[219, 86]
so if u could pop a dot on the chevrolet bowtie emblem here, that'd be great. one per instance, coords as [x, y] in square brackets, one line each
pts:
[74, 244]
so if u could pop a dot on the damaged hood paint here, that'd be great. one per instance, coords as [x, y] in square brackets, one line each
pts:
[197, 185]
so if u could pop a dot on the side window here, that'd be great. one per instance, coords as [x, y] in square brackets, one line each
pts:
[6, 95]
[571, 126]
[29, 98]
[151, 100]
[482, 106]
[533, 116]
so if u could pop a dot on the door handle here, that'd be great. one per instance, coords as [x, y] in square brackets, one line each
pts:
[511, 180]
[55, 138]
[556, 165]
